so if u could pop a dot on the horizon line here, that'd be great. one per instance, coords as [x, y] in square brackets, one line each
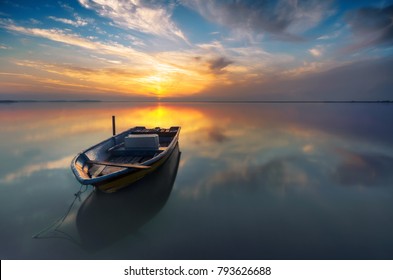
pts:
[193, 101]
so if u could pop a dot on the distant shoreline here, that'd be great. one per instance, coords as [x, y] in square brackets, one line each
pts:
[197, 101]
[46, 101]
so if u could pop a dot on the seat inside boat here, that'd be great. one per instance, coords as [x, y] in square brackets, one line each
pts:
[139, 145]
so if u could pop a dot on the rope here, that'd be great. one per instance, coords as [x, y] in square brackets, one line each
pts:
[60, 221]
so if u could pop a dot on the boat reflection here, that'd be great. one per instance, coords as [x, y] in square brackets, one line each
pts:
[104, 219]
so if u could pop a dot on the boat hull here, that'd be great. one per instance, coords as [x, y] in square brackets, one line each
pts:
[123, 181]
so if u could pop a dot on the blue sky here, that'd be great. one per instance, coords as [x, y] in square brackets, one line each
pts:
[195, 49]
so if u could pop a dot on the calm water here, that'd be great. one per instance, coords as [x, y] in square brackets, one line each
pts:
[249, 181]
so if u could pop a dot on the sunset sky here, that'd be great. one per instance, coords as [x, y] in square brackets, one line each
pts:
[196, 50]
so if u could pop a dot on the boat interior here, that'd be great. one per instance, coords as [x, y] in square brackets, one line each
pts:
[118, 152]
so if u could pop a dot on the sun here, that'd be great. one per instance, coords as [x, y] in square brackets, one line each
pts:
[157, 84]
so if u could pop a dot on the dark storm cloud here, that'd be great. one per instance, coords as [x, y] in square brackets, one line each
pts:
[282, 19]
[219, 63]
[373, 25]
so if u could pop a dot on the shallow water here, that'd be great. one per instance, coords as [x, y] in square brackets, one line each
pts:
[251, 181]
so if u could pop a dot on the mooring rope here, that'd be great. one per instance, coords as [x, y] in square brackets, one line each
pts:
[60, 220]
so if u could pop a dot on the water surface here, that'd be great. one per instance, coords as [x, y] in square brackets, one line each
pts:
[251, 181]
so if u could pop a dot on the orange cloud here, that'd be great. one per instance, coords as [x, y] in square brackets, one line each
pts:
[162, 80]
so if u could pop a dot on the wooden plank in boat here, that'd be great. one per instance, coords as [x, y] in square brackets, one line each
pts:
[126, 165]
[132, 152]
[99, 171]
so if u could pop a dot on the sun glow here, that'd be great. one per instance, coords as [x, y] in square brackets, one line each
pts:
[166, 116]
[156, 84]
[172, 84]
[164, 80]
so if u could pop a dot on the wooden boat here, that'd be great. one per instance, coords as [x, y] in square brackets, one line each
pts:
[124, 158]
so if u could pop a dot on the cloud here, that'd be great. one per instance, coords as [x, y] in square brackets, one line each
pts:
[316, 51]
[66, 7]
[372, 26]
[54, 35]
[138, 15]
[219, 63]
[283, 19]
[277, 176]
[325, 80]
[61, 36]
[240, 61]
[144, 80]
[78, 22]
[368, 170]
[331, 36]
[82, 77]
[159, 73]
[216, 135]
[4, 47]
[36, 167]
